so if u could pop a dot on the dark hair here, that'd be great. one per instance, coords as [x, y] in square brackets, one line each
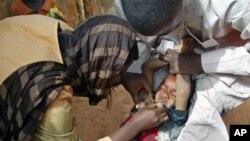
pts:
[147, 16]
[133, 54]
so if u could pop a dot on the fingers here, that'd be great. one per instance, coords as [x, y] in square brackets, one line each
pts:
[162, 57]
[171, 70]
[169, 55]
[151, 98]
[172, 58]
[151, 106]
[160, 110]
[140, 105]
[135, 98]
[170, 51]
[163, 117]
[149, 93]
[134, 95]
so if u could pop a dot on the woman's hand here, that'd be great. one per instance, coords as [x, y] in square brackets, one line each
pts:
[133, 83]
[185, 63]
[148, 117]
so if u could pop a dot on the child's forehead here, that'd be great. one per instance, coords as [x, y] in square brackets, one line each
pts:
[170, 82]
[170, 79]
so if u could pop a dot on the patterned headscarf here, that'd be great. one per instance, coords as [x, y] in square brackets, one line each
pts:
[25, 95]
[98, 49]
[93, 53]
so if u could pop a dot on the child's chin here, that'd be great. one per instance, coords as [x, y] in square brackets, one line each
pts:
[161, 101]
[166, 104]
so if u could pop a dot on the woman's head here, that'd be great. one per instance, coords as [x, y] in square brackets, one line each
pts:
[150, 17]
[111, 52]
[103, 46]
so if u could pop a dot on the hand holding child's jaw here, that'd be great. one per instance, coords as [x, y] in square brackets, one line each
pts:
[166, 94]
[164, 98]
[134, 83]
[175, 88]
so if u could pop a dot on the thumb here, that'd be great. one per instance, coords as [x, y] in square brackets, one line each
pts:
[163, 57]
[151, 106]
[168, 57]
[135, 97]
[170, 51]
[149, 91]
[172, 71]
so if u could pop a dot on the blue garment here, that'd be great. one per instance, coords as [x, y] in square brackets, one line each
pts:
[179, 117]
[170, 130]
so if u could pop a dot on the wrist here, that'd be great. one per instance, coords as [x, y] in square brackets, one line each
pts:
[127, 132]
[135, 126]
[190, 63]
[181, 103]
[123, 74]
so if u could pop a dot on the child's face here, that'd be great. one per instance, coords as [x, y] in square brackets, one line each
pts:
[167, 92]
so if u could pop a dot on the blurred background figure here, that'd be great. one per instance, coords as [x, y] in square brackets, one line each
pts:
[44, 7]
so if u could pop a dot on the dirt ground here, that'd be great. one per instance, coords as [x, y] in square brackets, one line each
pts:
[94, 122]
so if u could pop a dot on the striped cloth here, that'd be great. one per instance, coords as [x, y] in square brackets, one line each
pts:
[26, 95]
[97, 50]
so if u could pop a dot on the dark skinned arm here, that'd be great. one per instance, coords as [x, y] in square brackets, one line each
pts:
[150, 66]
[149, 117]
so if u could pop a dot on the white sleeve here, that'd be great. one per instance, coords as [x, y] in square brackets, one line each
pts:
[232, 60]
[239, 18]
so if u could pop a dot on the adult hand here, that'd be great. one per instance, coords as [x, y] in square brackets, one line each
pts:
[134, 83]
[171, 57]
[150, 116]
[185, 63]
[183, 90]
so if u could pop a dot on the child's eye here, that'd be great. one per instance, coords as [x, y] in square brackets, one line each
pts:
[172, 91]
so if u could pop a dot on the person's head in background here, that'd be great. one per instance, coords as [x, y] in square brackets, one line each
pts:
[43, 7]
[153, 17]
